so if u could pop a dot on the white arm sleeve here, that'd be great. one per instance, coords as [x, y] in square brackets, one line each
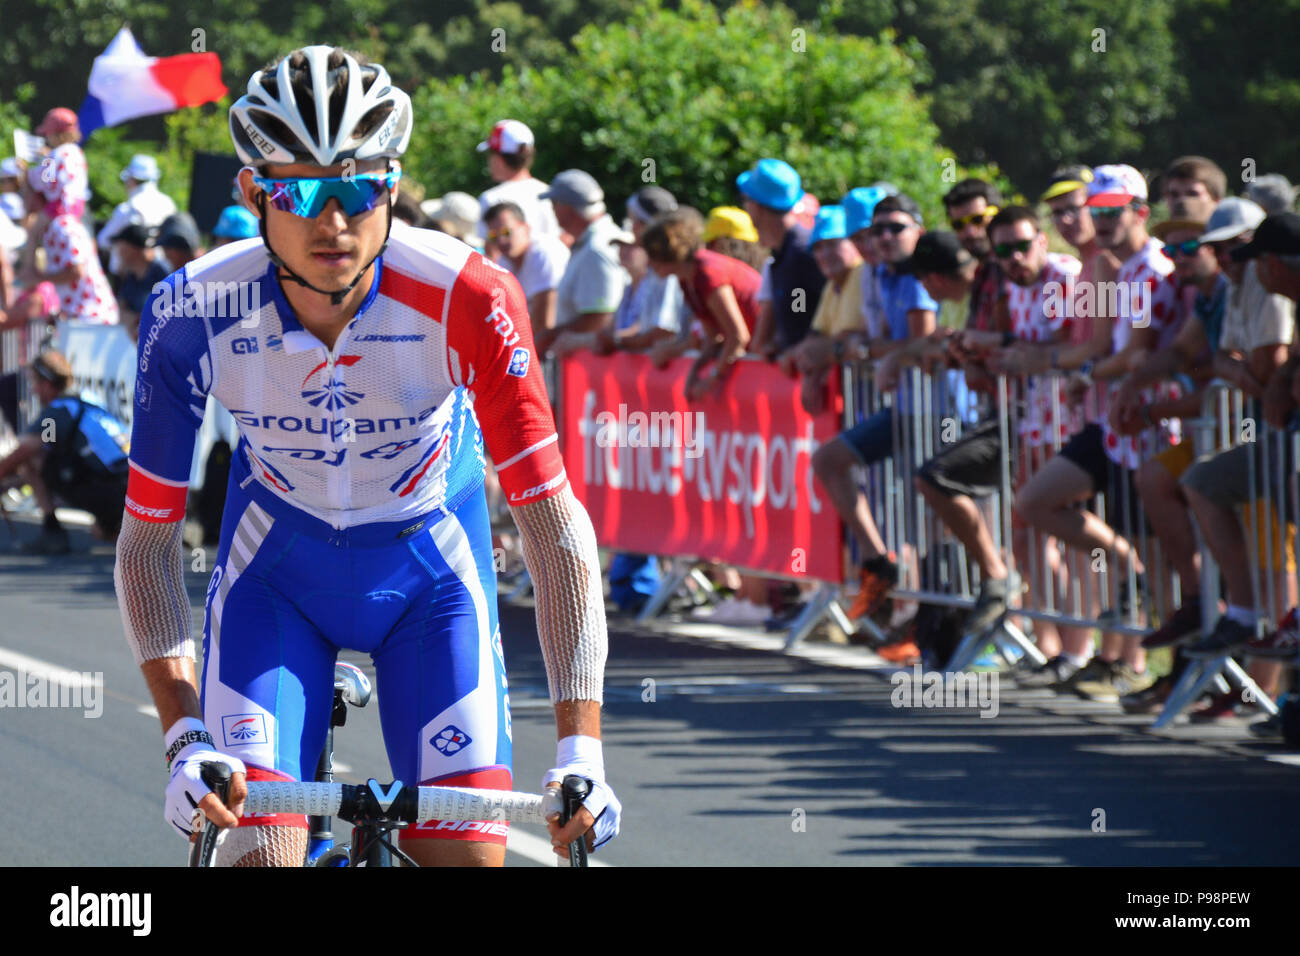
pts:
[559, 545]
[150, 580]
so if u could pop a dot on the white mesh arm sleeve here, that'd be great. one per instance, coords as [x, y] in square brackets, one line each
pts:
[149, 576]
[560, 550]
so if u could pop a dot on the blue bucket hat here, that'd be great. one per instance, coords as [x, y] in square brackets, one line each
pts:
[830, 224]
[858, 206]
[772, 183]
[235, 222]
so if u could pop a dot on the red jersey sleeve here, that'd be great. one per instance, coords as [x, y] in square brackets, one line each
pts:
[490, 352]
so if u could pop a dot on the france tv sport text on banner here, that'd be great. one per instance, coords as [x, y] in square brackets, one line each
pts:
[727, 478]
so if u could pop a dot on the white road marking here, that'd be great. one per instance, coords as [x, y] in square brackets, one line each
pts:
[149, 710]
[47, 671]
[538, 849]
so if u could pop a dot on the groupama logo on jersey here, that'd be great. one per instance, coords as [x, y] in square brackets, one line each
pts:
[331, 393]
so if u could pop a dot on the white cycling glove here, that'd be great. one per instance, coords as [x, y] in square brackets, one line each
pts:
[189, 745]
[583, 756]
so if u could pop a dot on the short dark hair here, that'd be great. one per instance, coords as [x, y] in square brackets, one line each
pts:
[407, 209]
[1014, 214]
[675, 236]
[53, 368]
[1201, 170]
[899, 203]
[969, 189]
[522, 158]
[511, 207]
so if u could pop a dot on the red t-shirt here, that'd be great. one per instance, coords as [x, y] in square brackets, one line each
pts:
[713, 271]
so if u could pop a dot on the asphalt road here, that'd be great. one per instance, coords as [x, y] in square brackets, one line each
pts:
[723, 754]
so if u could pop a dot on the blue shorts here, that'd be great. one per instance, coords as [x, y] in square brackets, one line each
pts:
[872, 439]
[289, 592]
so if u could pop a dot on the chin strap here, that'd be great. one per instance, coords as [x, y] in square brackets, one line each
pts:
[286, 273]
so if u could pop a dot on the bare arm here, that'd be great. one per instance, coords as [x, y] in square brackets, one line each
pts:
[541, 309]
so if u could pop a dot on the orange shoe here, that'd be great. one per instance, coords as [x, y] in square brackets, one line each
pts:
[904, 653]
[879, 576]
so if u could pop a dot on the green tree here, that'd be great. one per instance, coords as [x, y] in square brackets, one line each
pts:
[690, 98]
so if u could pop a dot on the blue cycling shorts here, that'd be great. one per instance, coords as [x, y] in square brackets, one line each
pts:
[289, 592]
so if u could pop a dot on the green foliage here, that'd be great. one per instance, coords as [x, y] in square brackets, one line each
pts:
[689, 99]
[14, 115]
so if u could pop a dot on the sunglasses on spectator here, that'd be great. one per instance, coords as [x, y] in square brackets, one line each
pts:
[1109, 212]
[495, 234]
[961, 222]
[308, 197]
[1069, 212]
[1004, 250]
[1187, 248]
[893, 228]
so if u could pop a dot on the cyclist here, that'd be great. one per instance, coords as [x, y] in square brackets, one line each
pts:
[370, 366]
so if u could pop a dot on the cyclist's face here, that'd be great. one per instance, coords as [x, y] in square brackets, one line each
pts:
[330, 249]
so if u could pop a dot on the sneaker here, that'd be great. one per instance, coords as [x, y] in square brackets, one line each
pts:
[1282, 644]
[1056, 671]
[1183, 625]
[1095, 669]
[1270, 728]
[740, 613]
[879, 577]
[1118, 680]
[48, 542]
[989, 606]
[1219, 707]
[902, 654]
[1228, 635]
[1152, 699]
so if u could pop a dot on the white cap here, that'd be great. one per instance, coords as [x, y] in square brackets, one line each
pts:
[1116, 185]
[1231, 218]
[508, 136]
[142, 168]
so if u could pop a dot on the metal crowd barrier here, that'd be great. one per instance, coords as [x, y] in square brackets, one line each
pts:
[19, 344]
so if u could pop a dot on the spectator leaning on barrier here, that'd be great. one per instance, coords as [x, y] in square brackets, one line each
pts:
[179, 240]
[1218, 487]
[1273, 192]
[1097, 460]
[72, 262]
[772, 191]
[594, 280]
[970, 206]
[730, 231]
[74, 452]
[909, 313]
[722, 293]
[510, 152]
[144, 204]
[653, 312]
[839, 312]
[234, 223]
[141, 271]
[859, 204]
[538, 262]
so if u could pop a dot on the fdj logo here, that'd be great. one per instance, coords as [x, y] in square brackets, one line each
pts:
[332, 393]
[518, 363]
[246, 346]
[503, 325]
[450, 740]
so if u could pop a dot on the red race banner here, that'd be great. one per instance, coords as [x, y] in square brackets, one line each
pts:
[726, 478]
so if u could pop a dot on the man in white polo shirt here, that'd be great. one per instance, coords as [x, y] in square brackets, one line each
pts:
[538, 262]
[510, 158]
[594, 280]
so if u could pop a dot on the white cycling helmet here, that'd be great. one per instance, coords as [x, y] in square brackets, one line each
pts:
[363, 117]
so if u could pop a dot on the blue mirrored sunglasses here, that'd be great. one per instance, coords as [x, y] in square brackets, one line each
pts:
[307, 197]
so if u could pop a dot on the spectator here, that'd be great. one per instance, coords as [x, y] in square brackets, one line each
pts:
[538, 262]
[62, 178]
[179, 239]
[839, 311]
[74, 451]
[1097, 460]
[594, 280]
[721, 292]
[858, 206]
[11, 199]
[653, 313]
[1192, 186]
[510, 152]
[141, 271]
[71, 260]
[909, 313]
[772, 190]
[1273, 192]
[456, 214]
[970, 206]
[144, 204]
[1218, 487]
[234, 223]
[407, 209]
[730, 231]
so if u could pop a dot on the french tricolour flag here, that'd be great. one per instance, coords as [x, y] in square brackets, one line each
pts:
[124, 83]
